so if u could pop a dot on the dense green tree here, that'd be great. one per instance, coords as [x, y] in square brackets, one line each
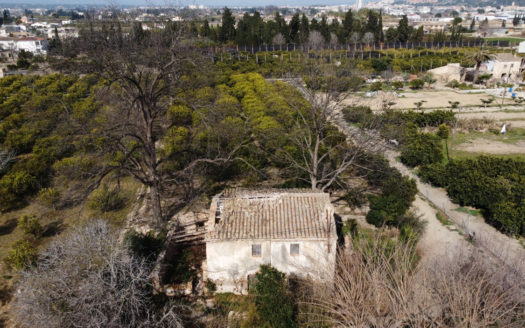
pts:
[304, 30]
[272, 299]
[422, 149]
[348, 26]
[443, 133]
[391, 35]
[295, 26]
[205, 29]
[324, 29]
[227, 29]
[403, 30]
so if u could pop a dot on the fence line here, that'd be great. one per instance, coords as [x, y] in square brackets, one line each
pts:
[361, 46]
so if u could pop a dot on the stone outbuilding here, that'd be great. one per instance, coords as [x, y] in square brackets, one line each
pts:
[292, 230]
[448, 73]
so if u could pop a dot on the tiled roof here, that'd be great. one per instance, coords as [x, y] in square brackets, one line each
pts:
[507, 57]
[271, 214]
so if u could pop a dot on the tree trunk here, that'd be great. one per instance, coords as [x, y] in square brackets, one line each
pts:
[476, 72]
[155, 203]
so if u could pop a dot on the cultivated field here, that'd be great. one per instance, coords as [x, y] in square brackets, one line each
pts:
[485, 138]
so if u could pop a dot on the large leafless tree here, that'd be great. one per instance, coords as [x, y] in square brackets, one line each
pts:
[146, 72]
[321, 153]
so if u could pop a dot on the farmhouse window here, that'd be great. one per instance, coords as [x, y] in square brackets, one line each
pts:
[294, 249]
[256, 250]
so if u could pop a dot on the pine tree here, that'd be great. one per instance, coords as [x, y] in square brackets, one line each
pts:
[380, 27]
[348, 25]
[472, 24]
[305, 29]
[227, 30]
[295, 24]
[403, 30]
[324, 29]
[515, 20]
[205, 29]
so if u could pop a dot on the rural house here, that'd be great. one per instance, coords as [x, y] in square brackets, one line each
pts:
[292, 230]
[505, 66]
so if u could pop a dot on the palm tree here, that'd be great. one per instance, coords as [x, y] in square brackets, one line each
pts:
[479, 57]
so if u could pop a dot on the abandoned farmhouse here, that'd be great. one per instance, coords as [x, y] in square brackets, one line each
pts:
[292, 230]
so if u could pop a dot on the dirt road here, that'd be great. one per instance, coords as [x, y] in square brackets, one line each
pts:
[507, 250]
[502, 249]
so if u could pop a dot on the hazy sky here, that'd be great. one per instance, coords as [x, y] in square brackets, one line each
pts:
[218, 3]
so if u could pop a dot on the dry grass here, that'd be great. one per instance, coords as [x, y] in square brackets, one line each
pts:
[381, 285]
[477, 124]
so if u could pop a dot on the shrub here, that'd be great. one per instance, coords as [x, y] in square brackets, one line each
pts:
[376, 86]
[453, 84]
[355, 83]
[506, 216]
[273, 302]
[147, 246]
[30, 225]
[422, 149]
[357, 114]
[349, 228]
[417, 84]
[105, 200]
[398, 85]
[22, 255]
[435, 173]
[49, 197]
[482, 78]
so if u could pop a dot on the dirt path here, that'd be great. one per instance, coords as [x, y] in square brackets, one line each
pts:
[506, 250]
[438, 240]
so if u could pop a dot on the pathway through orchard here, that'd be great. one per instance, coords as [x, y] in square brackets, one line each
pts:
[436, 240]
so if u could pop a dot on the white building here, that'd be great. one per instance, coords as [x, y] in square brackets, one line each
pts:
[504, 66]
[34, 45]
[292, 230]
[521, 48]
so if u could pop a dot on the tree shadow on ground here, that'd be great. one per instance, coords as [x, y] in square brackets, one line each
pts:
[8, 227]
[53, 228]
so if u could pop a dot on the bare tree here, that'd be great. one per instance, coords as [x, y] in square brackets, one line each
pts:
[321, 153]
[278, 39]
[368, 37]
[355, 37]
[89, 279]
[144, 73]
[6, 157]
[315, 40]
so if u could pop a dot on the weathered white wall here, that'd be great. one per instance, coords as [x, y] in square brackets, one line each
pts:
[230, 262]
[505, 68]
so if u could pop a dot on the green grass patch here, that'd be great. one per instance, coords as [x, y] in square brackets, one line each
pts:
[468, 211]
[510, 39]
[443, 219]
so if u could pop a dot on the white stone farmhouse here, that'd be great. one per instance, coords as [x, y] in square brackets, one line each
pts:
[505, 67]
[292, 230]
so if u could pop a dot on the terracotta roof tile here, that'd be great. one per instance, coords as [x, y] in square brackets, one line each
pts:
[272, 214]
